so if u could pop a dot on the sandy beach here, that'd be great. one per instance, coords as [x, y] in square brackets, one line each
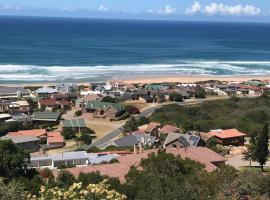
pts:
[194, 78]
[160, 79]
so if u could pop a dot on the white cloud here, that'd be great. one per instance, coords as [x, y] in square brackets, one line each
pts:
[237, 10]
[102, 8]
[222, 9]
[194, 9]
[168, 10]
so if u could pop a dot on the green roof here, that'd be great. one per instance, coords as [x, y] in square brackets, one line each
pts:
[94, 105]
[154, 87]
[74, 123]
[46, 116]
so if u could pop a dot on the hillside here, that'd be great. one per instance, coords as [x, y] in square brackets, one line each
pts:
[247, 115]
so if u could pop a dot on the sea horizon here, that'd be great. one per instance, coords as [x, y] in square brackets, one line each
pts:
[56, 49]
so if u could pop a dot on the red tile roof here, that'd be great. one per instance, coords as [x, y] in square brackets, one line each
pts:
[57, 139]
[34, 132]
[151, 126]
[47, 102]
[54, 134]
[200, 154]
[168, 129]
[229, 133]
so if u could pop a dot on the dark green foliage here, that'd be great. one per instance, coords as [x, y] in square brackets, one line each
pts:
[87, 135]
[261, 147]
[78, 113]
[142, 121]
[250, 154]
[13, 159]
[89, 178]
[131, 125]
[65, 179]
[132, 109]
[11, 191]
[68, 133]
[109, 99]
[247, 115]
[176, 97]
[200, 93]
[9, 127]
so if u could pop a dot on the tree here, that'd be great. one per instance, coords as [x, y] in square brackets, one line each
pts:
[13, 159]
[250, 154]
[78, 113]
[131, 125]
[132, 109]
[86, 138]
[11, 191]
[142, 121]
[108, 99]
[261, 148]
[68, 133]
[176, 97]
[65, 179]
[200, 93]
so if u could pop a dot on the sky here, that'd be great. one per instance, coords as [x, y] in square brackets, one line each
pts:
[198, 10]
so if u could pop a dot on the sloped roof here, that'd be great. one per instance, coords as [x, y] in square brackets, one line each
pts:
[21, 139]
[202, 155]
[129, 140]
[151, 126]
[74, 123]
[104, 105]
[47, 102]
[168, 128]
[55, 139]
[229, 133]
[171, 138]
[34, 132]
[46, 116]
[46, 90]
[13, 90]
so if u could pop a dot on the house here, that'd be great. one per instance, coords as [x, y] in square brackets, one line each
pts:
[165, 130]
[146, 98]
[227, 137]
[91, 97]
[105, 109]
[45, 92]
[30, 143]
[75, 124]
[87, 91]
[39, 133]
[46, 116]
[47, 104]
[4, 106]
[255, 91]
[76, 158]
[135, 138]
[19, 107]
[55, 139]
[182, 140]
[13, 92]
[66, 87]
[203, 155]
[153, 129]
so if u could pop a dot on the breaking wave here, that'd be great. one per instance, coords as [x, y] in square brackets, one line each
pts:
[33, 73]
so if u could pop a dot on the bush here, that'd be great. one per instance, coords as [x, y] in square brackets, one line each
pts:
[176, 97]
[132, 109]
[65, 179]
[68, 133]
[78, 113]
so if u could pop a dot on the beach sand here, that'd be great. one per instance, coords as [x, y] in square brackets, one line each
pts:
[163, 78]
[194, 78]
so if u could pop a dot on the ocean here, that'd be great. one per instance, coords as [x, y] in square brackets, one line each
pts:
[38, 49]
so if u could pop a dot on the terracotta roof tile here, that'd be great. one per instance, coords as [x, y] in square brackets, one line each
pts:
[34, 132]
[168, 128]
[229, 133]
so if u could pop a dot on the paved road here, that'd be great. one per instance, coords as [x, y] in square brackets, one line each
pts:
[103, 142]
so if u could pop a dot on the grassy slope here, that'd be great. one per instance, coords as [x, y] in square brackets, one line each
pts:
[247, 115]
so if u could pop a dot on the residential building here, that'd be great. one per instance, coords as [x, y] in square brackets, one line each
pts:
[45, 92]
[46, 116]
[30, 143]
[75, 124]
[105, 109]
[13, 92]
[165, 130]
[227, 137]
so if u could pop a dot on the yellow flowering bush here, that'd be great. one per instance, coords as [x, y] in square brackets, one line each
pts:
[98, 191]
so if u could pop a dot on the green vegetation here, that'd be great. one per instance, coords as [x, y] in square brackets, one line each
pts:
[176, 97]
[68, 133]
[78, 113]
[247, 115]
[132, 124]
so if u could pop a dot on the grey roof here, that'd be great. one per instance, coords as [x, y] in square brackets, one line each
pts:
[71, 155]
[129, 140]
[171, 138]
[21, 139]
[46, 116]
[13, 91]
[105, 158]
[46, 91]
[144, 137]
[74, 123]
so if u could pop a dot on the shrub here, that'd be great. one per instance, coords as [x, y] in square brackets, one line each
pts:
[132, 109]
[78, 113]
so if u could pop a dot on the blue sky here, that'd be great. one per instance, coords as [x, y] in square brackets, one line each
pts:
[205, 10]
